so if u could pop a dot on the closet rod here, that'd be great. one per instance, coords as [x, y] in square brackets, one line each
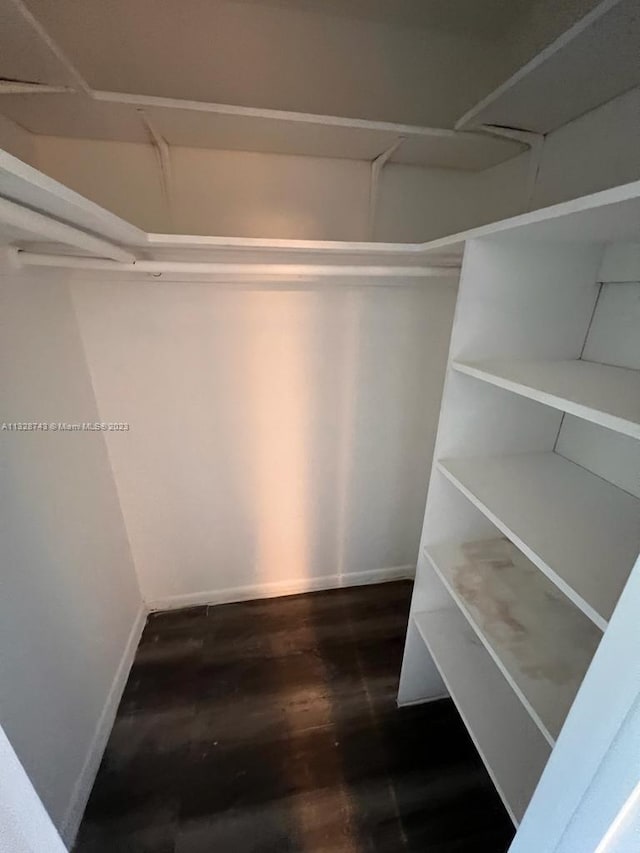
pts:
[205, 267]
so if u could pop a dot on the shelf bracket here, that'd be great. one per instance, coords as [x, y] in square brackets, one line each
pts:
[163, 156]
[377, 166]
[535, 142]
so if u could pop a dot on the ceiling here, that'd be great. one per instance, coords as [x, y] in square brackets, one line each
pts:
[486, 19]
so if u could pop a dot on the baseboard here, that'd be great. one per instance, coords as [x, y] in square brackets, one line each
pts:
[71, 820]
[273, 590]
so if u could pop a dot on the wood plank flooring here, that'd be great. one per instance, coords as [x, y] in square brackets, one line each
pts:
[271, 727]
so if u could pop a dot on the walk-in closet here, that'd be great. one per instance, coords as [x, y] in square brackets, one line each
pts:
[319, 426]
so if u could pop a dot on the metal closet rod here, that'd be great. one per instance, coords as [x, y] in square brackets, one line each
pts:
[205, 267]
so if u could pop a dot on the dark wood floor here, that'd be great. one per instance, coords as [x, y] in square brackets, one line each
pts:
[271, 727]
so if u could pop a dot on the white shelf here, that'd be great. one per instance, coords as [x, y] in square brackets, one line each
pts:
[195, 124]
[581, 531]
[600, 393]
[542, 644]
[589, 64]
[512, 748]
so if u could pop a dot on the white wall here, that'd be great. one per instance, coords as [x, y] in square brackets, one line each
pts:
[25, 826]
[421, 204]
[69, 596]
[598, 150]
[122, 177]
[16, 140]
[236, 193]
[231, 193]
[280, 439]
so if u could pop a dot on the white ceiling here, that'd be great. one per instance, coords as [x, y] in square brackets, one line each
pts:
[485, 19]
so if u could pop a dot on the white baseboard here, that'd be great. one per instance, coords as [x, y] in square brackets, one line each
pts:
[75, 810]
[272, 590]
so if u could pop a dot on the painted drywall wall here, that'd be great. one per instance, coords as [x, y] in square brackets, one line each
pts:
[598, 150]
[268, 195]
[280, 438]
[231, 193]
[16, 140]
[612, 339]
[25, 826]
[235, 193]
[122, 177]
[418, 204]
[69, 597]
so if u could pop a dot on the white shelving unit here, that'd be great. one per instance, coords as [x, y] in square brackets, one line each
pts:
[596, 59]
[479, 692]
[537, 442]
[532, 524]
[568, 521]
[540, 642]
[600, 393]
[118, 116]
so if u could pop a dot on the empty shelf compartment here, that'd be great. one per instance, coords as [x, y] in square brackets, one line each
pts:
[510, 744]
[600, 393]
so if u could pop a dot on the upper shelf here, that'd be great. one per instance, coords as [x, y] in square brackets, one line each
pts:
[194, 124]
[600, 393]
[589, 64]
[39, 213]
[612, 215]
